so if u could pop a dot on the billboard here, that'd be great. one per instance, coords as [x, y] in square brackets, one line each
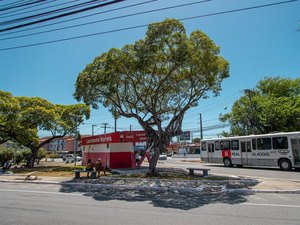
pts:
[185, 136]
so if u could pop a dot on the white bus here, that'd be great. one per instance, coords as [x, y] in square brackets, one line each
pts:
[275, 149]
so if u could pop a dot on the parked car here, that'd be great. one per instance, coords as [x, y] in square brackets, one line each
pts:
[70, 158]
[162, 157]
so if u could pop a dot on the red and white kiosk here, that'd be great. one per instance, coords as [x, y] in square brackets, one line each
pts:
[116, 150]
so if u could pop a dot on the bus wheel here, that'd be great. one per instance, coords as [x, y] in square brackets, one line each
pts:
[285, 164]
[227, 162]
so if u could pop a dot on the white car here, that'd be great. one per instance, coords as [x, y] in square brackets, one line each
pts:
[69, 158]
[163, 157]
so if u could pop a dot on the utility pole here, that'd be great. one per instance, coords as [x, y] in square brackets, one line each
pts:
[93, 129]
[130, 127]
[115, 124]
[201, 128]
[105, 125]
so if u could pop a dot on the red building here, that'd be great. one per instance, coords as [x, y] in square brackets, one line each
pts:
[116, 150]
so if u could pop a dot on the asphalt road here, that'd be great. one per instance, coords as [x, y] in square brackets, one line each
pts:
[257, 172]
[36, 204]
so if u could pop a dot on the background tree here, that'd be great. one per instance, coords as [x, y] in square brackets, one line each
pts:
[6, 154]
[196, 140]
[40, 155]
[22, 117]
[273, 105]
[155, 80]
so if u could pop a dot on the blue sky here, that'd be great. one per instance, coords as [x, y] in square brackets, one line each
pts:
[257, 43]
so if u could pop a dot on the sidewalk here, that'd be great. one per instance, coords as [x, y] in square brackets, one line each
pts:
[235, 184]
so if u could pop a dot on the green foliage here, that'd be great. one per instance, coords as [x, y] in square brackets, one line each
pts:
[41, 154]
[274, 105]
[22, 117]
[52, 155]
[26, 154]
[196, 140]
[6, 154]
[156, 77]
[19, 158]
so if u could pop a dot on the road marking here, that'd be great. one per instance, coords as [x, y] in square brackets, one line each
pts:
[272, 205]
[41, 192]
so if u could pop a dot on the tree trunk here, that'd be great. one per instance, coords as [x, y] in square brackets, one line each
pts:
[31, 161]
[152, 170]
[158, 148]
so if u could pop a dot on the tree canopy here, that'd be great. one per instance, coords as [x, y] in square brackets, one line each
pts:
[156, 79]
[22, 117]
[273, 105]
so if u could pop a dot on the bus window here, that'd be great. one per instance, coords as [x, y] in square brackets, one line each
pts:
[224, 145]
[280, 143]
[254, 144]
[234, 145]
[263, 143]
[217, 145]
[203, 146]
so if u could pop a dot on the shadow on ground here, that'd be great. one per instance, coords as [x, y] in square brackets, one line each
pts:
[177, 199]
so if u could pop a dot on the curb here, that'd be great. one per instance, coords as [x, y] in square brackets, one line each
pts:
[170, 188]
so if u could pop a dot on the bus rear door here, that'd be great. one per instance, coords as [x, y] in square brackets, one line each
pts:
[210, 152]
[296, 150]
[246, 151]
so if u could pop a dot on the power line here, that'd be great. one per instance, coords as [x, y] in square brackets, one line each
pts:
[145, 25]
[56, 17]
[34, 10]
[108, 19]
[21, 5]
[53, 12]
[13, 3]
[81, 17]
[206, 108]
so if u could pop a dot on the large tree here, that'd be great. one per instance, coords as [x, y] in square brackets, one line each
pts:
[22, 117]
[155, 80]
[273, 105]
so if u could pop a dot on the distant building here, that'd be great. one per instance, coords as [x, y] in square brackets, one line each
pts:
[64, 144]
[12, 145]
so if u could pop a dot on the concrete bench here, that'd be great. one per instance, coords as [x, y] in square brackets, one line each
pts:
[77, 173]
[204, 171]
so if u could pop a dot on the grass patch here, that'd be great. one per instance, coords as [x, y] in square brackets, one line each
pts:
[46, 169]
